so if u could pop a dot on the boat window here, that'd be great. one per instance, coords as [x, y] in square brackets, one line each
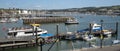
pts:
[97, 26]
[28, 32]
[12, 34]
[31, 32]
[39, 31]
[9, 34]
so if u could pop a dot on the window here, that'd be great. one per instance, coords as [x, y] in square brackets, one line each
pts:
[31, 32]
[12, 33]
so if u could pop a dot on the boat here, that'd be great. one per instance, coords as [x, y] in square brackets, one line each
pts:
[94, 46]
[71, 21]
[13, 20]
[96, 30]
[20, 32]
[116, 41]
[2, 21]
[71, 36]
[89, 37]
[8, 20]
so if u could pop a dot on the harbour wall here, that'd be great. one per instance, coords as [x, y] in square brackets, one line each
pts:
[38, 20]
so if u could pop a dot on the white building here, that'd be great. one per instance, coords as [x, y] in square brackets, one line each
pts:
[24, 12]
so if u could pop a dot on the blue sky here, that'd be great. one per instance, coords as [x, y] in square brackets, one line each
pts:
[56, 4]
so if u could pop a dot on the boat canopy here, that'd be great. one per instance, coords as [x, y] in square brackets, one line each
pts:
[96, 27]
[35, 25]
[46, 35]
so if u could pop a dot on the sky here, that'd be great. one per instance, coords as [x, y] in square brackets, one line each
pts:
[56, 4]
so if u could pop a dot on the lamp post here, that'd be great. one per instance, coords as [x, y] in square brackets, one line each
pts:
[101, 34]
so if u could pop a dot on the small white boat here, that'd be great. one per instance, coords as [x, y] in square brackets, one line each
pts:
[20, 32]
[116, 41]
[13, 20]
[3, 20]
[71, 21]
[89, 37]
[94, 46]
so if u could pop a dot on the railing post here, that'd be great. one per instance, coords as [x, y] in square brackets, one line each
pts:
[57, 31]
[36, 36]
[101, 35]
[90, 30]
[116, 30]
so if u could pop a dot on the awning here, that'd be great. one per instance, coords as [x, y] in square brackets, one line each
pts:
[46, 35]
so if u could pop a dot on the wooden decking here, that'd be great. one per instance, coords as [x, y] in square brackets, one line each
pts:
[14, 44]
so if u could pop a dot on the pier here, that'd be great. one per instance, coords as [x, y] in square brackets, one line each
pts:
[15, 45]
[10, 43]
[19, 42]
[38, 20]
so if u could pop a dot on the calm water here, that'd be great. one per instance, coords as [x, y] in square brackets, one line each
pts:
[84, 20]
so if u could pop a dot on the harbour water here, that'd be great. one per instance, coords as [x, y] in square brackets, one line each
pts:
[84, 20]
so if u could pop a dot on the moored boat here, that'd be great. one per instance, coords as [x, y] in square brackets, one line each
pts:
[13, 20]
[95, 30]
[3, 20]
[71, 36]
[20, 32]
[89, 37]
[71, 21]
